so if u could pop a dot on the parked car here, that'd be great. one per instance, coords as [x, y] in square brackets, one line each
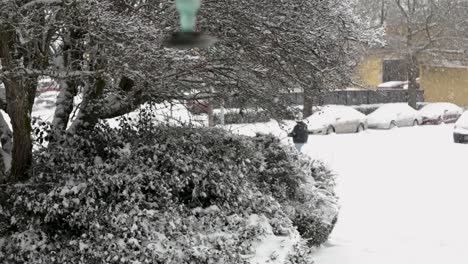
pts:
[460, 130]
[393, 115]
[47, 85]
[437, 113]
[198, 106]
[336, 119]
[393, 85]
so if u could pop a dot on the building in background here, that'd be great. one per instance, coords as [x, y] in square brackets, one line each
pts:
[445, 81]
[425, 45]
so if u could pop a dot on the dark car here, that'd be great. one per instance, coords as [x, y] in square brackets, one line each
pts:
[438, 113]
[198, 106]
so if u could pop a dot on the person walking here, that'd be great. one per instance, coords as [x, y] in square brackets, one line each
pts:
[299, 134]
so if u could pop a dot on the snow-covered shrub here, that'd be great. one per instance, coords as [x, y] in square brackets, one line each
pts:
[315, 211]
[143, 193]
[323, 176]
[126, 219]
[247, 116]
[302, 254]
[243, 117]
[303, 186]
[282, 171]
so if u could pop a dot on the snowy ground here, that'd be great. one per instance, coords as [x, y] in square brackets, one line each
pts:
[403, 195]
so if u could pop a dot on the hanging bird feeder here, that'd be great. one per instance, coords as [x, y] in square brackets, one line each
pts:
[187, 37]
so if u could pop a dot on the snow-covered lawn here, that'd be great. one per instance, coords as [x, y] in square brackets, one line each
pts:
[403, 195]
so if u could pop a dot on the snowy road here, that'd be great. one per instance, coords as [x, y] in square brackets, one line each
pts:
[403, 194]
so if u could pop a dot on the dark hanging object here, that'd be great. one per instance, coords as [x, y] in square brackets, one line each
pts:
[187, 38]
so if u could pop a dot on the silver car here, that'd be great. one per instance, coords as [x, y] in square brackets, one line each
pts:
[393, 115]
[336, 119]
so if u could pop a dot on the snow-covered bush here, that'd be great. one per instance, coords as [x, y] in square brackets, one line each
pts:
[247, 116]
[282, 171]
[143, 193]
[244, 117]
[303, 186]
[314, 216]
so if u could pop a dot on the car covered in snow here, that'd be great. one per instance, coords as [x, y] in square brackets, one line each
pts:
[460, 130]
[393, 115]
[335, 119]
[437, 113]
[393, 85]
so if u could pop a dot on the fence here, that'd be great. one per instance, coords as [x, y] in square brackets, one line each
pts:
[341, 97]
[357, 97]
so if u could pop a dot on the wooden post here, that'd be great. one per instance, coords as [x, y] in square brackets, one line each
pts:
[210, 114]
[222, 112]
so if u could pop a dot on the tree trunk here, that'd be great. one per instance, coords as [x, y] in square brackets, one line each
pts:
[309, 96]
[20, 94]
[308, 104]
[86, 117]
[382, 13]
[413, 72]
[64, 107]
[92, 109]
[72, 55]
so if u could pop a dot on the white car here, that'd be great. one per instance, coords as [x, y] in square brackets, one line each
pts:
[393, 115]
[460, 130]
[393, 85]
[336, 119]
[437, 113]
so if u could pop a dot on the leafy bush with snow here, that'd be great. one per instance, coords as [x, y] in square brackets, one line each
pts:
[248, 116]
[243, 117]
[316, 210]
[314, 215]
[153, 194]
[304, 187]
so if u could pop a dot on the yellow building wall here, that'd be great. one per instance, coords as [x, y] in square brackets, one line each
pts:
[369, 71]
[442, 84]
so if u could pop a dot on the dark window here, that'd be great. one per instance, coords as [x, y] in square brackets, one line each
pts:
[394, 70]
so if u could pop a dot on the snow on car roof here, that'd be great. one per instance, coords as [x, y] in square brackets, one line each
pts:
[389, 110]
[394, 106]
[392, 84]
[337, 111]
[324, 115]
[441, 106]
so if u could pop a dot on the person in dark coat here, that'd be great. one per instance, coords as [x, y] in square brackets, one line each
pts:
[299, 134]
